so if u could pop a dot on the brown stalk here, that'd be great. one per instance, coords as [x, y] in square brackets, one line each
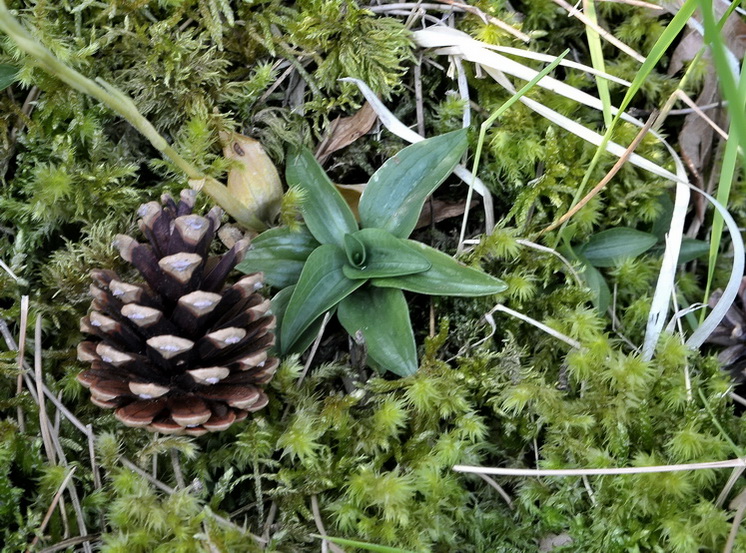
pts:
[610, 175]
[51, 509]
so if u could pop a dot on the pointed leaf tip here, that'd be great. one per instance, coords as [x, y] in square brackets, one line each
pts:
[396, 192]
[325, 212]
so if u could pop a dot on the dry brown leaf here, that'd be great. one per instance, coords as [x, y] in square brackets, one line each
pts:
[346, 130]
[440, 211]
[253, 180]
[697, 136]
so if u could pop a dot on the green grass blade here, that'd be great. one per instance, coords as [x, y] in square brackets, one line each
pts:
[660, 47]
[736, 96]
[597, 59]
[362, 545]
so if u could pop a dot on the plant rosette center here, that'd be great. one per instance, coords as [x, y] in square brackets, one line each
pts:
[332, 264]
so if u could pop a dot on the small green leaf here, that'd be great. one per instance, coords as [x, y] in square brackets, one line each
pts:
[607, 248]
[325, 212]
[279, 305]
[321, 286]
[691, 249]
[355, 251]
[597, 285]
[280, 254]
[446, 277]
[8, 75]
[386, 256]
[395, 194]
[382, 316]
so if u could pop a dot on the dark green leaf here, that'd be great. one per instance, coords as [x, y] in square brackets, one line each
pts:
[597, 284]
[280, 255]
[691, 249]
[446, 277]
[355, 251]
[607, 248]
[396, 192]
[7, 75]
[279, 305]
[382, 316]
[386, 256]
[325, 212]
[321, 286]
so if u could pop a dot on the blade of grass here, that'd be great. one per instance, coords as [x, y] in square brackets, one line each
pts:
[660, 47]
[735, 94]
[362, 545]
[597, 59]
[488, 123]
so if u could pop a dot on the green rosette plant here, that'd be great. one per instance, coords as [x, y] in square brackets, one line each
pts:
[361, 269]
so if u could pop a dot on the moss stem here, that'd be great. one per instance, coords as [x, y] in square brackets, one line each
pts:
[122, 105]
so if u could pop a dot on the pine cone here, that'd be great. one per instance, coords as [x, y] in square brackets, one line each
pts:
[731, 333]
[182, 352]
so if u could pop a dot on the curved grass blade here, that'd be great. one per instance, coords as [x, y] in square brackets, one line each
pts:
[382, 316]
[280, 254]
[395, 194]
[325, 212]
[446, 277]
[321, 286]
[386, 256]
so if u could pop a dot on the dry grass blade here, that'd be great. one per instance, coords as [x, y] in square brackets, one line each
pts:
[541, 326]
[601, 472]
[739, 504]
[44, 424]
[70, 542]
[638, 3]
[320, 525]
[606, 35]
[607, 178]
[21, 354]
[497, 487]
[52, 507]
[684, 97]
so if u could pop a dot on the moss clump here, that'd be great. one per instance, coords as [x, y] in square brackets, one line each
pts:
[368, 457]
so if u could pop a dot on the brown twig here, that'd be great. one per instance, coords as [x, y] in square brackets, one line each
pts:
[52, 507]
[65, 544]
[610, 175]
[21, 354]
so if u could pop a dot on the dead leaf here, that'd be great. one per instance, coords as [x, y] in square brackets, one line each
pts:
[253, 180]
[346, 130]
[440, 211]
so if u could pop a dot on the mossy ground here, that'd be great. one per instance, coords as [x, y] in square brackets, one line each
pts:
[369, 457]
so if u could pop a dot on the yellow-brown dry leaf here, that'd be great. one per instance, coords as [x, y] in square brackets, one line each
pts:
[253, 180]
